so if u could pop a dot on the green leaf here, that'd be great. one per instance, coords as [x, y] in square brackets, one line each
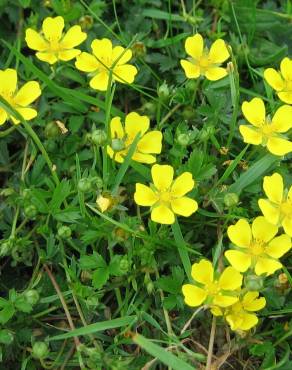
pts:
[160, 14]
[100, 277]
[91, 262]
[164, 356]
[6, 337]
[97, 327]
[61, 192]
[69, 215]
[6, 310]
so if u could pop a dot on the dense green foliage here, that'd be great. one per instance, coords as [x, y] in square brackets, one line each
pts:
[119, 273]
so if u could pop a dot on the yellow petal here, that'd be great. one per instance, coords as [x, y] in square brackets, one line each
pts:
[134, 123]
[274, 79]
[3, 116]
[234, 320]
[286, 68]
[282, 120]
[150, 143]
[216, 311]
[251, 135]
[86, 62]
[116, 55]
[27, 113]
[194, 46]
[254, 111]
[267, 266]
[35, 41]
[110, 152]
[194, 296]
[73, 37]
[244, 321]
[53, 28]
[251, 302]
[287, 225]
[191, 70]
[125, 73]
[182, 184]
[143, 158]
[100, 81]
[273, 187]
[239, 260]
[203, 272]
[279, 246]
[102, 49]
[279, 146]
[218, 52]
[48, 57]
[215, 73]
[270, 211]
[144, 196]
[68, 54]
[230, 279]
[240, 234]
[162, 176]
[285, 96]
[184, 206]
[28, 93]
[117, 131]
[162, 215]
[224, 300]
[262, 230]
[8, 82]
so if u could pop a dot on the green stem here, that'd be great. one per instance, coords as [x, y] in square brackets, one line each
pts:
[8, 131]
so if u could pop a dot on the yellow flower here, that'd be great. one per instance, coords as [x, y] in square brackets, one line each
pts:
[105, 57]
[281, 81]
[239, 316]
[52, 45]
[209, 289]
[149, 143]
[166, 197]
[277, 209]
[104, 203]
[265, 131]
[18, 99]
[258, 246]
[204, 62]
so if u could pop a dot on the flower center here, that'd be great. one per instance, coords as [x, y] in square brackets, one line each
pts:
[204, 62]
[212, 288]
[257, 247]
[267, 129]
[165, 196]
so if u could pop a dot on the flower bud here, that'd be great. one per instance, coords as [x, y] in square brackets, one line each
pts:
[5, 247]
[97, 182]
[52, 130]
[32, 296]
[124, 264]
[104, 203]
[254, 282]
[30, 211]
[86, 22]
[40, 350]
[188, 113]
[231, 199]
[99, 137]
[84, 185]
[64, 232]
[163, 91]
[117, 145]
[139, 49]
[183, 139]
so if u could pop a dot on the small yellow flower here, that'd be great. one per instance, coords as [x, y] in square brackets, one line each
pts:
[265, 131]
[218, 291]
[52, 45]
[239, 316]
[258, 247]
[277, 209]
[148, 144]
[18, 99]
[104, 203]
[166, 196]
[204, 62]
[281, 81]
[104, 57]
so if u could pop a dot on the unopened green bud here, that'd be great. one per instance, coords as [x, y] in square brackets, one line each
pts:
[231, 199]
[150, 287]
[30, 211]
[183, 139]
[84, 185]
[32, 296]
[5, 247]
[254, 282]
[40, 350]
[163, 91]
[99, 137]
[117, 145]
[97, 181]
[188, 112]
[124, 264]
[52, 130]
[64, 232]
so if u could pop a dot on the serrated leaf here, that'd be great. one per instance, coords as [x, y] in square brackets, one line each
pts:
[100, 277]
[61, 192]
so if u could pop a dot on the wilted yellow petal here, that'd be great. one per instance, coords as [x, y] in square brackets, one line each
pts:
[194, 296]
[145, 196]
[184, 206]
[162, 215]
[254, 111]
[239, 260]
[218, 52]
[240, 234]
[203, 272]
[162, 176]
[194, 46]
[263, 230]
[274, 79]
